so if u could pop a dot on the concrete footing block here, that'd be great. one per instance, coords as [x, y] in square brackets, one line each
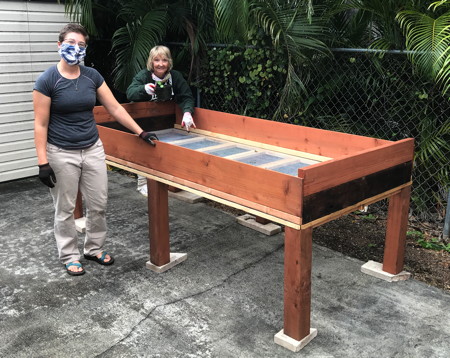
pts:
[186, 196]
[80, 224]
[291, 343]
[175, 259]
[375, 269]
[267, 229]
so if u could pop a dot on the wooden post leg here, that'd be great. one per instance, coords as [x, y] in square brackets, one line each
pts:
[174, 189]
[261, 220]
[397, 223]
[297, 282]
[78, 212]
[80, 220]
[158, 216]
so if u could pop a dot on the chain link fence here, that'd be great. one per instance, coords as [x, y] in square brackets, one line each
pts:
[353, 91]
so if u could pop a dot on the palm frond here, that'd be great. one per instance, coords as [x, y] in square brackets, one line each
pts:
[231, 19]
[433, 144]
[289, 28]
[132, 43]
[81, 11]
[443, 76]
[427, 38]
[433, 6]
[375, 20]
[290, 31]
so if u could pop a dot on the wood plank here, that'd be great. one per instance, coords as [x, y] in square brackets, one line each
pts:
[13, 5]
[352, 208]
[187, 140]
[137, 110]
[17, 145]
[49, 56]
[250, 143]
[18, 155]
[18, 47]
[9, 118]
[215, 147]
[78, 211]
[19, 173]
[208, 193]
[262, 221]
[11, 37]
[56, 17]
[265, 187]
[355, 191]
[17, 164]
[253, 148]
[44, 36]
[16, 107]
[36, 6]
[16, 136]
[18, 97]
[27, 47]
[397, 223]
[297, 282]
[42, 46]
[158, 216]
[15, 67]
[278, 163]
[37, 27]
[17, 87]
[31, 16]
[18, 77]
[17, 126]
[149, 124]
[242, 155]
[299, 138]
[41, 66]
[322, 176]
[21, 57]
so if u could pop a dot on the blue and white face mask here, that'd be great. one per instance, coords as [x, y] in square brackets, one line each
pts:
[73, 55]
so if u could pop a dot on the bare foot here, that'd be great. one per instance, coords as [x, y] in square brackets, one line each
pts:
[106, 259]
[74, 268]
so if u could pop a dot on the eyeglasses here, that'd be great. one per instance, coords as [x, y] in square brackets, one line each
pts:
[72, 42]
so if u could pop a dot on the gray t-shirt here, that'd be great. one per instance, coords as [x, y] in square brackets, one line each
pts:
[72, 124]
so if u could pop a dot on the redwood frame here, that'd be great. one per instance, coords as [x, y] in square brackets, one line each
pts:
[360, 171]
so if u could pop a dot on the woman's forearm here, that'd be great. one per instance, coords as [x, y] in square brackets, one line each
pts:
[123, 117]
[41, 104]
[40, 141]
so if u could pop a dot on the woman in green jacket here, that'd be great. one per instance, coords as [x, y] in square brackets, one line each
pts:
[159, 82]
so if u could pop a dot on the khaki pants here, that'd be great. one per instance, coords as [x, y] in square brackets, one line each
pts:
[84, 169]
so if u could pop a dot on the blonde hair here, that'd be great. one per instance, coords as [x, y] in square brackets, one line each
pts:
[159, 51]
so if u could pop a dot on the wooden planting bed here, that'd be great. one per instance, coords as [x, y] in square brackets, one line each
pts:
[296, 176]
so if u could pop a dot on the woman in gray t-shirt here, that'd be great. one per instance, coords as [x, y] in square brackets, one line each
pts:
[70, 153]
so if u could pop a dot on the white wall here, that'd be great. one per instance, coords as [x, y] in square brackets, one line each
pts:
[28, 36]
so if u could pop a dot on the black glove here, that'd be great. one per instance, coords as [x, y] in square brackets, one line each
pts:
[47, 175]
[149, 137]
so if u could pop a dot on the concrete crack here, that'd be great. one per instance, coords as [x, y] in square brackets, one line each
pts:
[250, 265]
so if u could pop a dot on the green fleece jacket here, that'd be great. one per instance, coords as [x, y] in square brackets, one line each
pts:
[181, 90]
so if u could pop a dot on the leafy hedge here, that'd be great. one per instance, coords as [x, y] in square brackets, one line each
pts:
[353, 93]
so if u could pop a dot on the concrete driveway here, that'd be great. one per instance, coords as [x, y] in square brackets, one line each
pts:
[225, 300]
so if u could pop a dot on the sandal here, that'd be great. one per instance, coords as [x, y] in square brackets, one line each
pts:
[75, 273]
[100, 260]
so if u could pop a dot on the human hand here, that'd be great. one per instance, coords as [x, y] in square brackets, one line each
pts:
[187, 121]
[149, 137]
[47, 175]
[150, 88]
